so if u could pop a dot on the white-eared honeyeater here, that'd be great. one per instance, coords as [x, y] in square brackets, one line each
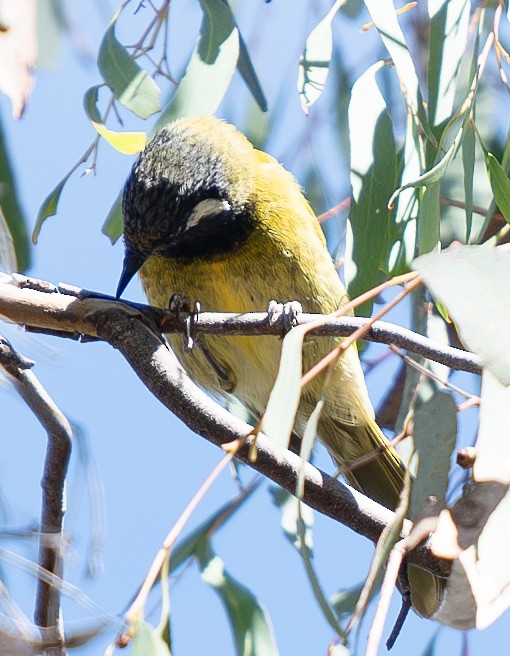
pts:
[208, 217]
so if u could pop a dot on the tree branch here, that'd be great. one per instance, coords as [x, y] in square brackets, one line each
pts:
[68, 312]
[58, 451]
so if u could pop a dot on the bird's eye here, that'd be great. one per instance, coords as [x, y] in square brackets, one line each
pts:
[205, 209]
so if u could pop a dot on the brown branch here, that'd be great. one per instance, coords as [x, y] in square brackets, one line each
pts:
[65, 313]
[58, 451]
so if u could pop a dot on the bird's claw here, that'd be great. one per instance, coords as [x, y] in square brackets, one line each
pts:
[290, 311]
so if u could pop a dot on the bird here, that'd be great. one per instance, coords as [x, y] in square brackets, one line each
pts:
[209, 218]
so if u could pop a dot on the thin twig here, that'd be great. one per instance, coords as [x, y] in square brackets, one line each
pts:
[58, 451]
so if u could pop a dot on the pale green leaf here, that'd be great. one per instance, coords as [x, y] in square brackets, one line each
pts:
[472, 282]
[132, 86]
[434, 434]
[468, 165]
[385, 20]
[429, 214]
[278, 419]
[449, 22]
[314, 63]
[147, 642]
[210, 68]
[307, 442]
[492, 453]
[250, 623]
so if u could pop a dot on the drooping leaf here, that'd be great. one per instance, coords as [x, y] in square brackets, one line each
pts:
[49, 207]
[434, 434]
[132, 86]
[11, 208]
[297, 523]
[282, 406]
[472, 282]
[449, 22]
[374, 174]
[468, 165]
[8, 263]
[429, 215]
[249, 620]
[500, 184]
[210, 68]
[187, 547]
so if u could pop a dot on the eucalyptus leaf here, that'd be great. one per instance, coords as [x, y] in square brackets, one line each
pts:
[449, 22]
[11, 207]
[472, 282]
[468, 165]
[374, 175]
[210, 68]
[429, 215]
[434, 434]
[49, 206]
[249, 620]
[148, 642]
[133, 87]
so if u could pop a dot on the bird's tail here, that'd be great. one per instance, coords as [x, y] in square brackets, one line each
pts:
[370, 464]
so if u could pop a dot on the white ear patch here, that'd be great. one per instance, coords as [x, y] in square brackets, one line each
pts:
[207, 207]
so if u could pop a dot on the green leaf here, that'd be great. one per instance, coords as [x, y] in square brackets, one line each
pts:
[297, 523]
[113, 224]
[435, 435]
[148, 642]
[314, 63]
[132, 86]
[374, 175]
[429, 215]
[187, 547]
[468, 165]
[472, 282]
[449, 22]
[436, 173]
[49, 206]
[128, 143]
[11, 208]
[344, 601]
[8, 263]
[249, 75]
[210, 68]
[250, 623]
[500, 184]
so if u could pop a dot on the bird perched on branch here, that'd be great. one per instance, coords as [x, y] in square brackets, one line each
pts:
[209, 218]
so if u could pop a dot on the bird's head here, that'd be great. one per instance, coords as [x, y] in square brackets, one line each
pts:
[188, 194]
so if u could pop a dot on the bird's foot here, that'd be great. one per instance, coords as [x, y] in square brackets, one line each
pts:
[290, 311]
